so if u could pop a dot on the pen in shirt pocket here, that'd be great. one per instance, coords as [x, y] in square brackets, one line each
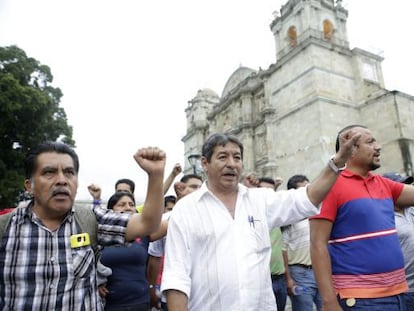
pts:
[252, 221]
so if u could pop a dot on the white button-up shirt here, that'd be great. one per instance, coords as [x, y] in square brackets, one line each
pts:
[222, 263]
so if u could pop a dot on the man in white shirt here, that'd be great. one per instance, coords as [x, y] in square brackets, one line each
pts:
[187, 184]
[218, 245]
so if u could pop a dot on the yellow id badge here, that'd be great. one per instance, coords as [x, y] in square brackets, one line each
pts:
[79, 240]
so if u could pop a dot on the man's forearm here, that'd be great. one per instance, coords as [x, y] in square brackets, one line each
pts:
[176, 300]
[319, 187]
[321, 265]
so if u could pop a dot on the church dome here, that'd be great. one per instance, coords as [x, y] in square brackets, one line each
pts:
[203, 93]
[238, 76]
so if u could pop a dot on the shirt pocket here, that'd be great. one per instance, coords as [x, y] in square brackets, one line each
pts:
[83, 261]
[259, 234]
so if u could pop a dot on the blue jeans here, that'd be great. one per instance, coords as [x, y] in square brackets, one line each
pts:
[280, 290]
[305, 277]
[391, 303]
[408, 299]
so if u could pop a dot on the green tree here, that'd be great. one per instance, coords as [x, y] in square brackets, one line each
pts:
[29, 114]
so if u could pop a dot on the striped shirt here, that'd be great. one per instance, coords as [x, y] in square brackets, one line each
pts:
[366, 256]
[39, 270]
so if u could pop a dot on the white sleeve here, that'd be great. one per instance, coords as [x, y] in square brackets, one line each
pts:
[288, 206]
[177, 260]
[156, 248]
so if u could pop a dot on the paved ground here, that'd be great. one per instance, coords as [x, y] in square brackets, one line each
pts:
[288, 305]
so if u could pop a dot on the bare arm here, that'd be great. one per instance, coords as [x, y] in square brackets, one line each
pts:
[406, 197]
[289, 281]
[161, 232]
[154, 267]
[320, 230]
[319, 188]
[174, 173]
[151, 160]
[176, 300]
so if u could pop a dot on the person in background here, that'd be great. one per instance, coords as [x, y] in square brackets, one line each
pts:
[125, 184]
[121, 185]
[269, 182]
[177, 169]
[127, 287]
[187, 184]
[404, 222]
[356, 255]
[169, 202]
[218, 245]
[296, 254]
[277, 266]
[46, 261]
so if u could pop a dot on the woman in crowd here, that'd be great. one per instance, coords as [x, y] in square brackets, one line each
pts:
[127, 287]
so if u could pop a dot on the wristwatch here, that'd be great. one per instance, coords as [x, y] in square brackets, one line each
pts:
[333, 166]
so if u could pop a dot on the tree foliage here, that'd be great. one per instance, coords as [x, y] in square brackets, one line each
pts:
[29, 114]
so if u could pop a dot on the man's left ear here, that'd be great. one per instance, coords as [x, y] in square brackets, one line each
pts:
[203, 162]
[29, 185]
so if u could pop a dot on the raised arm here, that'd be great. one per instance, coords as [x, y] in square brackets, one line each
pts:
[320, 230]
[95, 191]
[319, 188]
[151, 160]
[177, 169]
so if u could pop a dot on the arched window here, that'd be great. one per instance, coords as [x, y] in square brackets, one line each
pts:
[328, 30]
[292, 36]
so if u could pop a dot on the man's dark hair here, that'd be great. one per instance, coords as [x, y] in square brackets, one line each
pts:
[294, 180]
[118, 196]
[169, 198]
[127, 181]
[30, 164]
[187, 177]
[343, 130]
[268, 180]
[219, 140]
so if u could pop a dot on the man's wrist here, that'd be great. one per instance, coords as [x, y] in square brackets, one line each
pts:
[334, 164]
[96, 202]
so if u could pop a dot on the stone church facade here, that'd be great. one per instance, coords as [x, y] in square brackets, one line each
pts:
[288, 115]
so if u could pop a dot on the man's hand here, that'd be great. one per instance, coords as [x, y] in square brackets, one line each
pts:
[347, 144]
[103, 291]
[151, 160]
[251, 180]
[179, 188]
[154, 299]
[177, 169]
[278, 182]
[95, 191]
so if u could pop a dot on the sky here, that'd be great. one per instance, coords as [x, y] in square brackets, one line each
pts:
[127, 68]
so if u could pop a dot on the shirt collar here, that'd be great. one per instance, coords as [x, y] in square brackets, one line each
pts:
[242, 190]
[27, 213]
[349, 174]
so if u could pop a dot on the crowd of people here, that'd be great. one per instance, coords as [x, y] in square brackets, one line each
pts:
[234, 241]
